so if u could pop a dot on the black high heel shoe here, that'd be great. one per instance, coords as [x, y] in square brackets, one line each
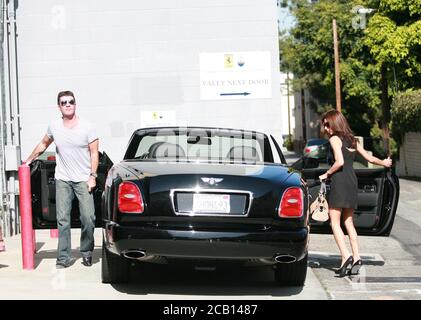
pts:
[345, 268]
[355, 269]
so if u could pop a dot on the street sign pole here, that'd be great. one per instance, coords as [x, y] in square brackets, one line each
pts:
[337, 70]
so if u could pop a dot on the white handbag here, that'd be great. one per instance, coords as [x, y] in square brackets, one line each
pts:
[319, 209]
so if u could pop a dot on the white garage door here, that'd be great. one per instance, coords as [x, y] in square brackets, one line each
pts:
[410, 155]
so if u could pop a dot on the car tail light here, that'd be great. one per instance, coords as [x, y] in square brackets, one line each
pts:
[129, 198]
[291, 205]
[310, 149]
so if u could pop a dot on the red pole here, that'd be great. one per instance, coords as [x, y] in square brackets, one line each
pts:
[25, 204]
[53, 233]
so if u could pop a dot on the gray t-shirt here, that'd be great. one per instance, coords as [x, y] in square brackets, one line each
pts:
[72, 151]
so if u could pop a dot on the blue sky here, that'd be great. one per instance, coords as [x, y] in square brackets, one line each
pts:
[286, 20]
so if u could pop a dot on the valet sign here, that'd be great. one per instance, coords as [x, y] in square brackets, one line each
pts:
[235, 75]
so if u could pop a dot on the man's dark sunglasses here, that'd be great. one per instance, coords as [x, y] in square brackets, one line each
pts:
[63, 103]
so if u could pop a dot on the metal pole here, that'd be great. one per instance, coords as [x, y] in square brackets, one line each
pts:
[14, 76]
[9, 199]
[2, 129]
[303, 118]
[12, 117]
[337, 70]
[7, 90]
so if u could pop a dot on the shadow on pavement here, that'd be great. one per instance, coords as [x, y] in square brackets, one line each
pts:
[333, 261]
[52, 254]
[175, 280]
[39, 245]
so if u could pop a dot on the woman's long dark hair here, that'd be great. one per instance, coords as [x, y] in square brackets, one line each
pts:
[339, 125]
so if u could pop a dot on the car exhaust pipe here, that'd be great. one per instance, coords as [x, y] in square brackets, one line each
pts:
[134, 254]
[285, 258]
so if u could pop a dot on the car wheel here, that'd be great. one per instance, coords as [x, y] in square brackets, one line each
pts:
[115, 269]
[291, 274]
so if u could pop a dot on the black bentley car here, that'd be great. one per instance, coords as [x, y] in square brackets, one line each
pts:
[208, 196]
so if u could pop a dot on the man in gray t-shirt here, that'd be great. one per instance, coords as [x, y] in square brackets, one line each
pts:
[76, 171]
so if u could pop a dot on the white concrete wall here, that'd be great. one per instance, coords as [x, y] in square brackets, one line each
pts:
[409, 163]
[124, 57]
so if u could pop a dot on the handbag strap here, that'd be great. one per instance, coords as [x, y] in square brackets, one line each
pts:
[322, 188]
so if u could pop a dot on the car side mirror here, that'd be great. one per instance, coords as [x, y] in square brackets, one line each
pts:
[310, 163]
[305, 163]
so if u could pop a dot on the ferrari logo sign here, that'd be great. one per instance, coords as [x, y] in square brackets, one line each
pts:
[235, 75]
[228, 61]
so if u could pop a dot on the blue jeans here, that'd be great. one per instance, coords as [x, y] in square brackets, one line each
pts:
[65, 193]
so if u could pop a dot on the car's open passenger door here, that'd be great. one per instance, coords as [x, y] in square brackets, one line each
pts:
[378, 195]
[44, 195]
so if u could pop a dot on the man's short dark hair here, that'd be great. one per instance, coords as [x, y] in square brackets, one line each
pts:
[63, 94]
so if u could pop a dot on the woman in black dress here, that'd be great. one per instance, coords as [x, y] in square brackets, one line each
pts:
[344, 186]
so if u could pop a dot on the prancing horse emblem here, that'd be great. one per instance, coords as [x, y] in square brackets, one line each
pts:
[212, 181]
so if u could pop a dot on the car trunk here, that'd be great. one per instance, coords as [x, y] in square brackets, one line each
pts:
[210, 192]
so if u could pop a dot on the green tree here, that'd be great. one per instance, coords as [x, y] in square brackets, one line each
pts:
[308, 53]
[406, 113]
[375, 62]
[393, 37]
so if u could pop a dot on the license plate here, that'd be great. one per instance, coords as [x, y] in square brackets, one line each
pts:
[211, 203]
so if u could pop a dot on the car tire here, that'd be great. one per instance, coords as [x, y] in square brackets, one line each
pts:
[291, 274]
[115, 269]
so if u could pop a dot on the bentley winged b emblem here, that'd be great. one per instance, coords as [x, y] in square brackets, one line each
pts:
[212, 181]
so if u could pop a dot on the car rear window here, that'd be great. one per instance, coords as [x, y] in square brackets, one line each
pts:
[200, 145]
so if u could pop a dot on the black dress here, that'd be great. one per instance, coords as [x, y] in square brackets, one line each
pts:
[344, 183]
